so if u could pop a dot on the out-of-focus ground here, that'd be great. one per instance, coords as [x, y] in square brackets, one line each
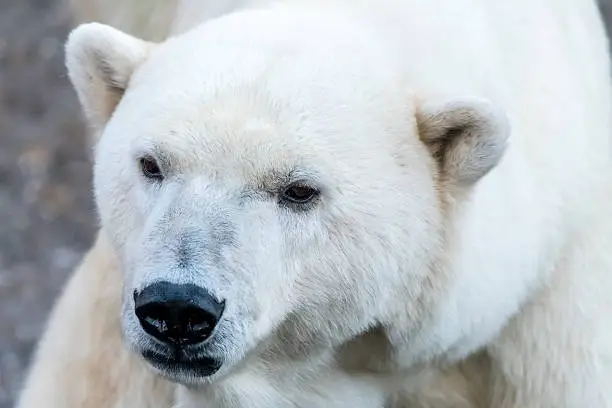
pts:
[47, 220]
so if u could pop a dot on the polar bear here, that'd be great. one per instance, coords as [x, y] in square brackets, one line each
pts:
[314, 203]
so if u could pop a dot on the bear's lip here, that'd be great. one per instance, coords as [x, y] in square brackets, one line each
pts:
[178, 363]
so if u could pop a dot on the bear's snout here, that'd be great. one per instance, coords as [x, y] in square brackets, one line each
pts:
[177, 314]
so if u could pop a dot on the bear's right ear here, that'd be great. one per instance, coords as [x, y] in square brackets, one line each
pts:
[100, 62]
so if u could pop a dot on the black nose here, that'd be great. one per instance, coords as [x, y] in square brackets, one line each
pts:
[177, 314]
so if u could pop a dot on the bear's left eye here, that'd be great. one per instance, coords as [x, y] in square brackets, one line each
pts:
[150, 169]
[299, 194]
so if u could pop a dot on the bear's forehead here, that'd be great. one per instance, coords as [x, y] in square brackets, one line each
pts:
[263, 110]
[243, 125]
[293, 82]
[228, 103]
[243, 133]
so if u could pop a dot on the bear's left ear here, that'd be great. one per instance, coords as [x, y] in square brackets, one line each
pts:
[466, 136]
[100, 61]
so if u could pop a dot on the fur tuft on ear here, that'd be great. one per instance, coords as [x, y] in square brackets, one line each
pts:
[100, 62]
[466, 136]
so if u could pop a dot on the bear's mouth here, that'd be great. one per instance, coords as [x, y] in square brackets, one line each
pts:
[179, 364]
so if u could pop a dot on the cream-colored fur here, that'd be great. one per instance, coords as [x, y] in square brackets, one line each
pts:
[462, 150]
[81, 360]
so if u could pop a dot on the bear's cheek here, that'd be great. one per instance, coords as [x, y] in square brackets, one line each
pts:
[117, 198]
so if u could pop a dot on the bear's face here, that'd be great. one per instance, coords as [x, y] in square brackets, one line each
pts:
[255, 191]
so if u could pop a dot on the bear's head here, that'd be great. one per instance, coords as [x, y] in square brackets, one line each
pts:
[270, 180]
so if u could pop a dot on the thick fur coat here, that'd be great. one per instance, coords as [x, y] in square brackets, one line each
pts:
[449, 243]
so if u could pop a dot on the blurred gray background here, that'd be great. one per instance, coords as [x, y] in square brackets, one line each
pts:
[47, 220]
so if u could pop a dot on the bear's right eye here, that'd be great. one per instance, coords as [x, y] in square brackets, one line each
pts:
[150, 169]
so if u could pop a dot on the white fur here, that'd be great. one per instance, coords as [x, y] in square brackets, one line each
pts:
[81, 360]
[462, 150]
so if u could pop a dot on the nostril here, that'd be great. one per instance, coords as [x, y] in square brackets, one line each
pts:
[154, 319]
[197, 323]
